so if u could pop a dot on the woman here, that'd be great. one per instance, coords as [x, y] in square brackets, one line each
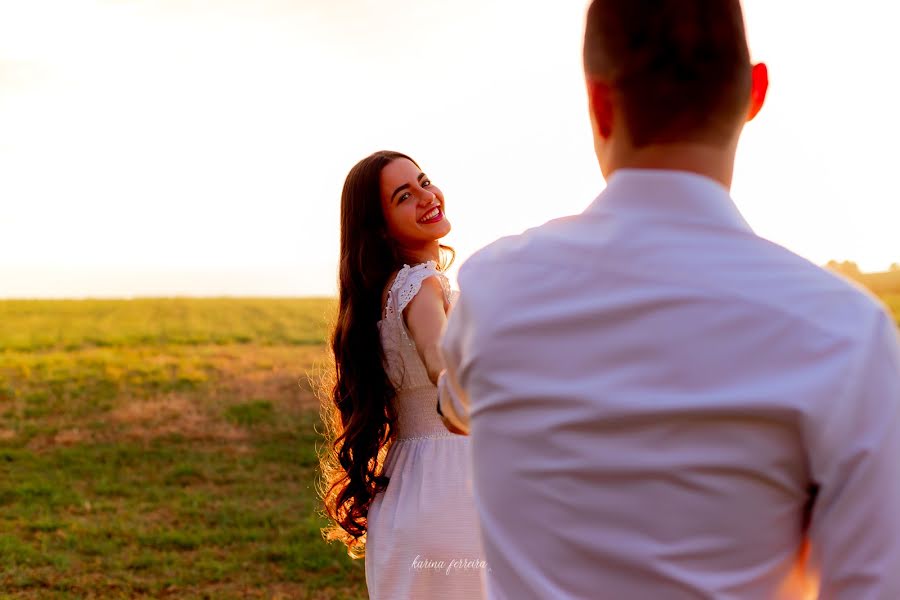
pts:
[397, 482]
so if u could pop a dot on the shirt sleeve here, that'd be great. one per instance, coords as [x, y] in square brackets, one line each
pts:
[855, 526]
[453, 402]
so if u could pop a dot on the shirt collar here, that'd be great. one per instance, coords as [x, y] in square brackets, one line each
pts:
[677, 196]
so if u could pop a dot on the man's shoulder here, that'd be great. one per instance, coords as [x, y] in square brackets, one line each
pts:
[856, 297]
[815, 294]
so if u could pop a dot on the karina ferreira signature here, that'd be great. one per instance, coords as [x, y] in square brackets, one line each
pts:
[446, 566]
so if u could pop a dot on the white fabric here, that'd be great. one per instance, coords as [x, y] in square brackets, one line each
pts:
[403, 364]
[422, 539]
[652, 389]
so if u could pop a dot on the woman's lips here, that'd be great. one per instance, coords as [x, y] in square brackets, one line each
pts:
[434, 219]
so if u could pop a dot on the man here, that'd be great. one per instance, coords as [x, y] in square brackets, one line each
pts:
[662, 404]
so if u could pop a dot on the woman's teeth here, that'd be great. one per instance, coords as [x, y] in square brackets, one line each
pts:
[430, 215]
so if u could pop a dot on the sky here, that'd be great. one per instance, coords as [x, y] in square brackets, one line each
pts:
[187, 147]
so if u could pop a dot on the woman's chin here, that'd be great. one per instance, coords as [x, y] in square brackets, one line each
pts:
[445, 229]
[438, 230]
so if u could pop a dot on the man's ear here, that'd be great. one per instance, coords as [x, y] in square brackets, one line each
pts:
[601, 107]
[758, 89]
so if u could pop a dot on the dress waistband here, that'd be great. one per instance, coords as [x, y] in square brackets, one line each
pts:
[417, 415]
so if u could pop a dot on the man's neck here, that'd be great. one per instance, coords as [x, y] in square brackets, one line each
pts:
[709, 161]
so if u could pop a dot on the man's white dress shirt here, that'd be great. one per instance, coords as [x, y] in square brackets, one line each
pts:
[655, 393]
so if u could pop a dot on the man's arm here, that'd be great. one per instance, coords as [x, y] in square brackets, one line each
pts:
[453, 402]
[855, 528]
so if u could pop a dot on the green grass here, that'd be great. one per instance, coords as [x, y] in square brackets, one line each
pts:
[198, 518]
[71, 325]
[251, 413]
[162, 448]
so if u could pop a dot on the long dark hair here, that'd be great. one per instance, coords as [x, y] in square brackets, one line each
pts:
[357, 410]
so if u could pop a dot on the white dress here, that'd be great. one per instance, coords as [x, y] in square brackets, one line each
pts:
[423, 540]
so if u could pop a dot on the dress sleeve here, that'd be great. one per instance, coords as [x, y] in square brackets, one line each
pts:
[409, 282]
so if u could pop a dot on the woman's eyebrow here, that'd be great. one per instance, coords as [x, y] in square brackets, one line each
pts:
[406, 185]
[399, 189]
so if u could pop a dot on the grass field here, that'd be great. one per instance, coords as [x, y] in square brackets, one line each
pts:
[165, 448]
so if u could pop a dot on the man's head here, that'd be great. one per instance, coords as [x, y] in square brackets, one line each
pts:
[667, 73]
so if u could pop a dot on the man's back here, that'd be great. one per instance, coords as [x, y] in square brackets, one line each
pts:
[654, 392]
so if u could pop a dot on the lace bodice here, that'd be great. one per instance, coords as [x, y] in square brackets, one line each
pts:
[416, 396]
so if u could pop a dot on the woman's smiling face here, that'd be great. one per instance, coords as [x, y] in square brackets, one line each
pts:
[413, 206]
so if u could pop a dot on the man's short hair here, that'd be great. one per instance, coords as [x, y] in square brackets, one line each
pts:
[680, 67]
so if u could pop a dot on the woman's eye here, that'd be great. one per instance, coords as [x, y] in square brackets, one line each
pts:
[403, 197]
[426, 183]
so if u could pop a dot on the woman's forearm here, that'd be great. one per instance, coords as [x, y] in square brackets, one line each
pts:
[433, 361]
